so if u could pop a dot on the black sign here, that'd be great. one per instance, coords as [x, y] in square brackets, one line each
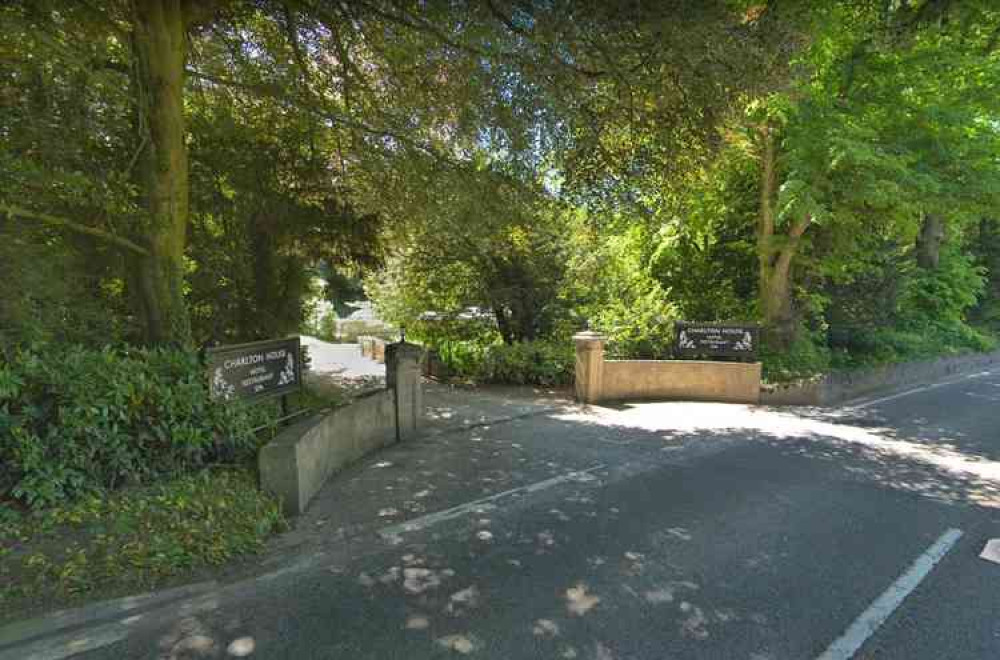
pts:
[258, 369]
[716, 340]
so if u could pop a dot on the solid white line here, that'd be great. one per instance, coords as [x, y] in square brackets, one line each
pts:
[915, 390]
[68, 645]
[865, 625]
[484, 504]
[49, 624]
[71, 644]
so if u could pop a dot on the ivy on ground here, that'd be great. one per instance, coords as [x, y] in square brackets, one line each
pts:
[134, 538]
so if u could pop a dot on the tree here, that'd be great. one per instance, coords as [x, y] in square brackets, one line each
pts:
[870, 131]
[331, 66]
[477, 238]
[159, 45]
[146, 43]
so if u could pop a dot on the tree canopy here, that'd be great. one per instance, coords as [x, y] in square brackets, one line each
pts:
[184, 168]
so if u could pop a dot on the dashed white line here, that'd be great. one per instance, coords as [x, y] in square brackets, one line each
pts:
[484, 504]
[882, 608]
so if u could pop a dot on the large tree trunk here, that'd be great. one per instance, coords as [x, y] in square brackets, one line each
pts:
[159, 45]
[775, 256]
[929, 241]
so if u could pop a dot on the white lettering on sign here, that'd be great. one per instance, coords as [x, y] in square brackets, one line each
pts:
[248, 370]
[256, 380]
[254, 358]
[243, 360]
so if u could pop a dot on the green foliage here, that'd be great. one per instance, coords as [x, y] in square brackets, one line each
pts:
[325, 327]
[479, 238]
[442, 332]
[553, 164]
[73, 298]
[545, 363]
[892, 345]
[134, 538]
[75, 421]
[985, 246]
[804, 358]
[610, 286]
[942, 296]
[812, 354]
[641, 328]
[250, 272]
[705, 256]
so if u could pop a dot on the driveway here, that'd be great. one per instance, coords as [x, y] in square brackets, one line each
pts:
[340, 360]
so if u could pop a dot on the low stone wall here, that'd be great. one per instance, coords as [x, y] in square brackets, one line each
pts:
[692, 380]
[840, 386]
[598, 379]
[296, 464]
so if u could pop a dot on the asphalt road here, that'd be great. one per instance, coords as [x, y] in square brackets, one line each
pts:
[656, 531]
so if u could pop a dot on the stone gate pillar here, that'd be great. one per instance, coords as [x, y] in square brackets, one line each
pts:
[589, 365]
[402, 372]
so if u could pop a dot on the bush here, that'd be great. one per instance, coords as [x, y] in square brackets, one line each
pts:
[545, 363]
[75, 421]
[135, 537]
[913, 342]
[640, 329]
[528, 363]
[805, 358]
[858, 347]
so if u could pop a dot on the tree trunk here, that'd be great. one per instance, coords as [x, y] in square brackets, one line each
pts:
[929, 241]
[159, 46]
[776, 301]
[775, 258]
[265, 274]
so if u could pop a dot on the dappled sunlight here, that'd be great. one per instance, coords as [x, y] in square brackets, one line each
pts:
[464, 644]
[241, 647]
[842, 432]
[579, 602]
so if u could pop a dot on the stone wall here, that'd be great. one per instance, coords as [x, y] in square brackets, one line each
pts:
[681, 379]
[296, 464]
[840, 386]
[598, 379]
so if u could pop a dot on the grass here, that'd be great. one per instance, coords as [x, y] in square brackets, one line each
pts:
[134, 539]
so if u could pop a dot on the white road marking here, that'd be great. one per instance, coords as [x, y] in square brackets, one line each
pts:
[484, 504]
[882, 608]
[67, 645]
[915, 390]
[991, 552]
[50, 624]
[72, 643]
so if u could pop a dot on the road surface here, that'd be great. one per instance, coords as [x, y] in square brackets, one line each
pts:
[654, 531]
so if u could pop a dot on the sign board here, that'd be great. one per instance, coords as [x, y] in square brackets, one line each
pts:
[254, 370]
[716, 340]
